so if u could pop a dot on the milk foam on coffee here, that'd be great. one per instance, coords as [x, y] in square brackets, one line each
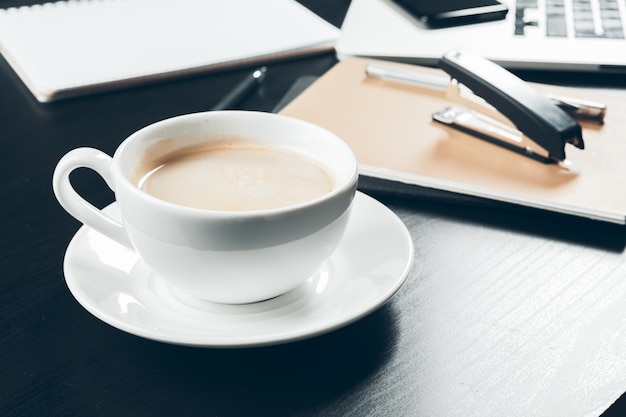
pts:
[235, 176]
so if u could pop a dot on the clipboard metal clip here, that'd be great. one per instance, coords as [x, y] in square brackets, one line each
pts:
[501, 108]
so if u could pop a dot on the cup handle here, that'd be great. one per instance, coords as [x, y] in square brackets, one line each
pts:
[76, 205]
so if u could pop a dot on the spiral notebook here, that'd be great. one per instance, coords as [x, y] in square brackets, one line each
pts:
[70, 48]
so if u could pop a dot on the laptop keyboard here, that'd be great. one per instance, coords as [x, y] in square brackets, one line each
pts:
[564, 18]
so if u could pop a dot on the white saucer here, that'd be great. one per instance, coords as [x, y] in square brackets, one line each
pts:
[372, 262]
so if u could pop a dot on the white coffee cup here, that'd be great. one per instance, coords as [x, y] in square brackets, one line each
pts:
[219, 255]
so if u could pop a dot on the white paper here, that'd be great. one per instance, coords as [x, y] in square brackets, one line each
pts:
[61, 47]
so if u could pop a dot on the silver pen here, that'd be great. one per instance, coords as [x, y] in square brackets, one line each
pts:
[580, 109]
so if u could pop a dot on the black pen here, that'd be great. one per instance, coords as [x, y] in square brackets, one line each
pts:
[241, 90]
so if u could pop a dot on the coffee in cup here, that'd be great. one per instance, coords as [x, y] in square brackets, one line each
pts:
[229, 206]
[233, 175]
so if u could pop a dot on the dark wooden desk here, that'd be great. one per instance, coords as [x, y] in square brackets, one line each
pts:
[57, 359]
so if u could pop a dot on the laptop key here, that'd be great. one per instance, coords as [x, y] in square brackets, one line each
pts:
[556, 26]
[556, 23]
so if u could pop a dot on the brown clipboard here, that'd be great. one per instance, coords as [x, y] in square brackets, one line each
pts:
[390, 129]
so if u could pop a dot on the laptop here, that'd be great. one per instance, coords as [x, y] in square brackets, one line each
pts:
[560, 35]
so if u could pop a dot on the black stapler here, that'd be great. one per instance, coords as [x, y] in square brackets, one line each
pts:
[505, 110]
